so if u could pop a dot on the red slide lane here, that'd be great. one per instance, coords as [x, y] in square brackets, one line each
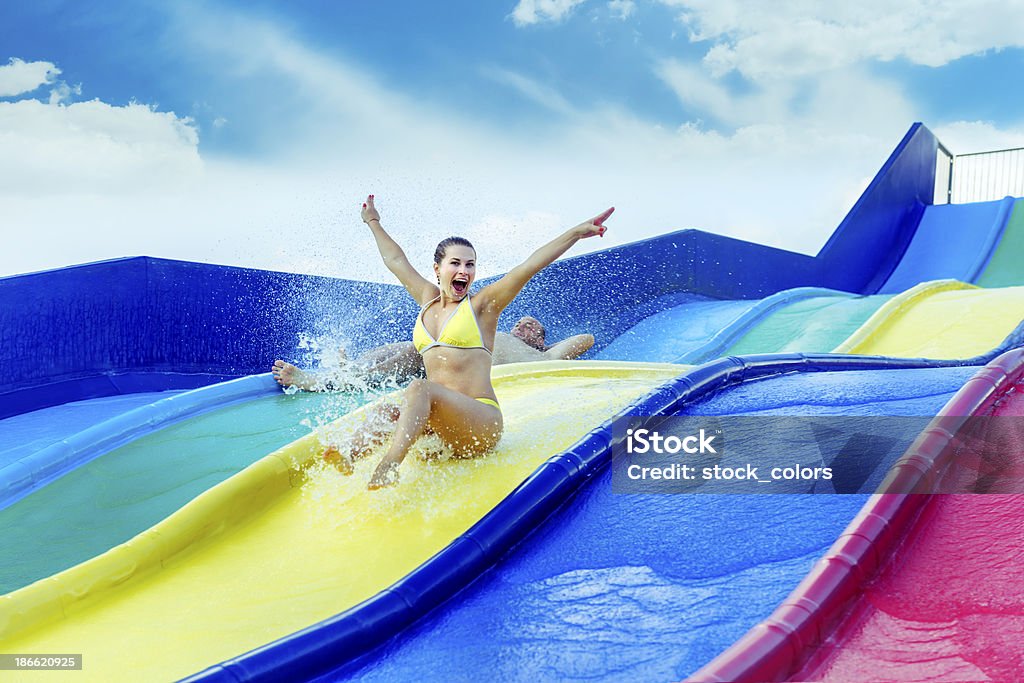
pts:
[919, 587]
[949, 603]
[948, 606]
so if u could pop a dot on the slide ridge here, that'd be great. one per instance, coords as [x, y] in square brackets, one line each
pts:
[887, 315]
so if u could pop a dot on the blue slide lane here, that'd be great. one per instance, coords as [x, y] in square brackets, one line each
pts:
[952, 241]
[27, 433]
[35, 468]
[696, 332]
[738, 328]
[691, 326]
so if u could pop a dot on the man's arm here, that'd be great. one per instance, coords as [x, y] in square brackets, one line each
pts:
[570, 348]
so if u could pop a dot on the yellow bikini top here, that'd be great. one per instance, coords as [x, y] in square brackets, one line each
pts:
[460, 331]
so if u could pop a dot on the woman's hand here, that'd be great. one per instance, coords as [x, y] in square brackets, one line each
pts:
[369, 212]
[595, 226]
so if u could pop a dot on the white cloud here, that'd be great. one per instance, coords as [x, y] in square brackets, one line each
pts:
[802, 107]
[92, 181]
[622, 9]
[92, 146]
[964, 137]
[700, 93]
[331, 98]
[529, 12]
[543, 95]
[20, 77]
[791, 38]
[62, 92]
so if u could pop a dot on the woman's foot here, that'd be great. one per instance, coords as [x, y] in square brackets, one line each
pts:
[385, 475]
[341, 462]
[287, 375]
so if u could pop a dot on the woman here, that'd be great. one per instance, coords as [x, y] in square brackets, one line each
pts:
[454, 333]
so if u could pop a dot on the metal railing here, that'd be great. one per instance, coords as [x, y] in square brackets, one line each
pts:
[943, 175]
[978, 177]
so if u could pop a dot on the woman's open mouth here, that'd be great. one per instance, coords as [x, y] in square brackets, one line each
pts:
[459, 287]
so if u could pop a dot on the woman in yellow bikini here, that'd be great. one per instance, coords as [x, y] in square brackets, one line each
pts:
[455, 335]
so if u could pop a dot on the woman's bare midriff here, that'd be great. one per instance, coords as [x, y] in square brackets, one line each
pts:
[467, 371]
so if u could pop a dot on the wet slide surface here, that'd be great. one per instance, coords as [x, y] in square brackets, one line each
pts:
[952, 241]
[665, 336]
[25, 434]
[947, 605]
[815, 325]
[944, 322]
[269, 552]
[111, 499]
[650, 587]
[963, 322]
[847, 389]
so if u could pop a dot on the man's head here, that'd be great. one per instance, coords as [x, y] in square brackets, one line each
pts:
[530, 332]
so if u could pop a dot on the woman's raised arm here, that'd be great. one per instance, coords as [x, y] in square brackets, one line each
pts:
[498, 295]
[395, 259]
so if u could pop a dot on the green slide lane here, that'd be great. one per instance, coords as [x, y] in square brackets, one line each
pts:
[1006, 268]
[813, 325]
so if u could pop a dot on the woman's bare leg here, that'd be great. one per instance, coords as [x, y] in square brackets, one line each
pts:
[380, 422]
[467, 425]
[398, 361]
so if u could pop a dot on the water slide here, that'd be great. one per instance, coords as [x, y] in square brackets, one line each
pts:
[672, 325]
[136, 485]
[304, 539]
[813, 319]
[29, 516]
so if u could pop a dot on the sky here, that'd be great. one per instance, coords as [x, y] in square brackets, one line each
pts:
[249, 133]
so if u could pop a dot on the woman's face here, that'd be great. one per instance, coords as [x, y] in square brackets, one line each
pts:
[456, 271]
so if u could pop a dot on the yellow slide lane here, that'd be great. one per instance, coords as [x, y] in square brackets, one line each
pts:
[944, 319]
[277, 547]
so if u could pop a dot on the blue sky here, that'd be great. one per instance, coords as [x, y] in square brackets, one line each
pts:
[247, 133]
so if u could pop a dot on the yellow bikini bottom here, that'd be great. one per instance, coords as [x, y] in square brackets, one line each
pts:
[490, 402]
